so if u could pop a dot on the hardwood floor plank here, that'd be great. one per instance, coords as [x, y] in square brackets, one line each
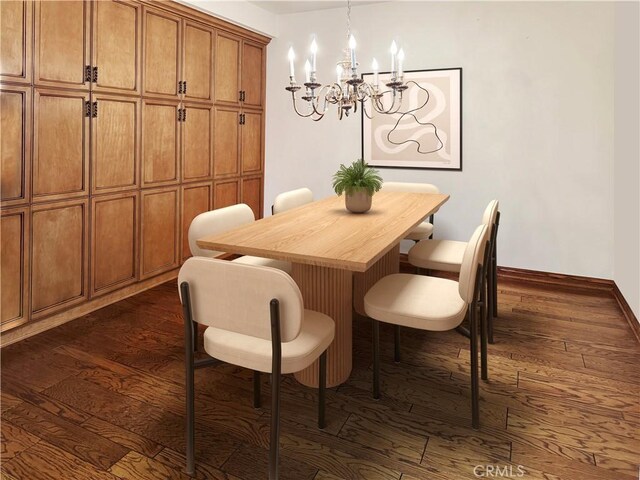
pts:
[14, 440]
[253, 464]
[615, 369]
[204, 471]
[122, 437]
[135, 466]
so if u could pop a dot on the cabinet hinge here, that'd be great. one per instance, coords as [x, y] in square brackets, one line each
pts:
[94, 76]
[180, 86]
[184, 87]
[180, 113]
[94, 110]
[87, 73]
[184, 114]
[87, 108]
[242, 119]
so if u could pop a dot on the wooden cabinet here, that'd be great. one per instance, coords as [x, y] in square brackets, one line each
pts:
[197, 142]
[160, 143]
[114, 235]
[62, 44]
[15, 41]
[227, 141]
[15, 143]
[115, 149]
[198, 62]
[162, 38]
[227, 71]
[59, 255]
[251, 134]
[60, 144]
[14, 271]
[196, 199]
[116, 47]
[226, 192]
[252, 194]
[160, 232]
[252, 74]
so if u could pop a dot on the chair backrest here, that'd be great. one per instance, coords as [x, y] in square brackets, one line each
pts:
[473, 257]
[217, 221]
[490, 214]
[236, 297]
[410, 187]
[292, 199]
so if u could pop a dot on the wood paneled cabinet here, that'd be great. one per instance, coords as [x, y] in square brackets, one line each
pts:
[238, 141]
[15, 144]
[252, 194]
[239, 68]
[162, 49]
[226, 192]
[197, 121]
[16, 41]
[196, 199]
[14, 267]
[160, 142]
[160, 231]
[197, 62]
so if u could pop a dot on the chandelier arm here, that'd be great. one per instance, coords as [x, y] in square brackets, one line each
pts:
[295, 107]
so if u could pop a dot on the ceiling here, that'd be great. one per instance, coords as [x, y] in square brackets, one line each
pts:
[284, 7]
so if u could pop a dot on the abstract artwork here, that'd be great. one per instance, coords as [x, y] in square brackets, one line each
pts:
[426, 132]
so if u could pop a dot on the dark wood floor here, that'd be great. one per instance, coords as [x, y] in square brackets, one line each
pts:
[102, 398]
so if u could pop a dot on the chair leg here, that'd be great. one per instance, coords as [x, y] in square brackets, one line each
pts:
[376, 359]
[494, 264]
[189, 378]
[194, 327]
[475, 391]
[274, 444]
[322, 385]
[396, 342]
[484, 317]
[257, 403]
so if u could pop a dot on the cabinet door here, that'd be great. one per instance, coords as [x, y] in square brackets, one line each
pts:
[197, 142]
[253, 69]
[116, 48]
[160, 243]
[198, 62]
[226, 193]
[14, 271]
[15, 41]
[15, 144]
[252, 142]
[160, 143]
[227, 72]
[161, 53]
[226, 142]
[114, 238]
[196, 199]
[60, 144]
[115, 143]
[252, 194]
[58, 256]
[61, 44]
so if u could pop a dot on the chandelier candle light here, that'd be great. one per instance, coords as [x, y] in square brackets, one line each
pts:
[348, 89]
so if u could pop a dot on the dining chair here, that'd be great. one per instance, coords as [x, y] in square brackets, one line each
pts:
[291, 199]
[255, 318]
[435, 304]
[446, 255]
[222, 220]
[425, 229]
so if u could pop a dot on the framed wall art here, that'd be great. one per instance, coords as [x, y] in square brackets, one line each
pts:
[426, 132]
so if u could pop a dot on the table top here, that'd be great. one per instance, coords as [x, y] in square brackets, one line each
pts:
[324, 233]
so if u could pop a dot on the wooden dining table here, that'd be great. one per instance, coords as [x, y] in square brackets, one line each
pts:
[336, 257]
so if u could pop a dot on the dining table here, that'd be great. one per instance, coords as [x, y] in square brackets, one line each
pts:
[336, 257]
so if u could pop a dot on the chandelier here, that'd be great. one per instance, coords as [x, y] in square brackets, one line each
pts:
[349, 89]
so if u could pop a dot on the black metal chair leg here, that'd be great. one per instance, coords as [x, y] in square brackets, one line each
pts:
[376, 359]
[396, 343]
[484, 314]
[276, 368]
[257, 403]
[475, 391]
[493, 293]
[189, 378]
[322, 385]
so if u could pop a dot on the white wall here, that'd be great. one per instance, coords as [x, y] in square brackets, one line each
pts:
[241, 13]
[537, 110]
[627, 154]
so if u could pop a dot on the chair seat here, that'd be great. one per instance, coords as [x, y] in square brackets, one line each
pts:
[316, 334]
[422, 231]
[265, 262]
[417, 301]
[445, 255]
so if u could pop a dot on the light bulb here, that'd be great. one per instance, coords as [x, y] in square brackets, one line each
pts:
[394, 48]
[292, 57]
[307, 70]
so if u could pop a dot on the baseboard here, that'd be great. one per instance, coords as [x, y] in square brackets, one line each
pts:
[34, 327]
[603, 285]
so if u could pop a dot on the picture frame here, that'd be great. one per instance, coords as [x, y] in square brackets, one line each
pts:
[426, 133]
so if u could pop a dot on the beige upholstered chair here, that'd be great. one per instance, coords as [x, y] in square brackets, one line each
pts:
[425, 229]
[431, 303]
[292, 199]
[255, 319]
[222, 220]
[447, 255]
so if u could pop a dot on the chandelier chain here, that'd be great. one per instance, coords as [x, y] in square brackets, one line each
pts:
[348, 18]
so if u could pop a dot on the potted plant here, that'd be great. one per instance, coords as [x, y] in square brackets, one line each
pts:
[359, 182]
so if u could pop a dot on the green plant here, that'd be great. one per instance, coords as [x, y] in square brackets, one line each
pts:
[356, 177]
